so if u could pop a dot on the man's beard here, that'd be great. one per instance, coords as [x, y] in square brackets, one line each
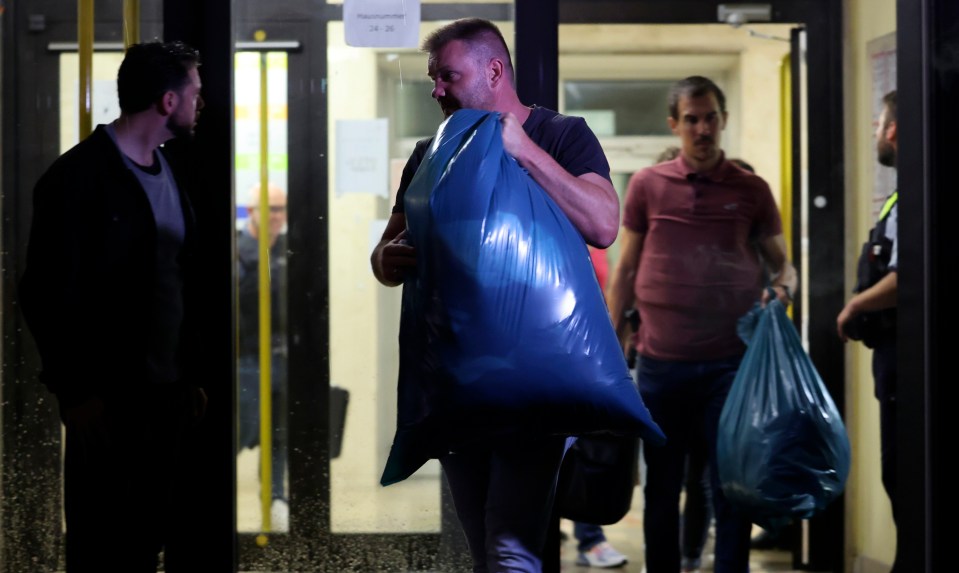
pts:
[886, 154]
[179, 129]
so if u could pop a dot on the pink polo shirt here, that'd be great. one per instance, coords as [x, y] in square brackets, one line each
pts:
[699, 270]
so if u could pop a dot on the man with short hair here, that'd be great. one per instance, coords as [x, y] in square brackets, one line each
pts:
[870, 315]
[696, 230]
[503, 494]
[110, 268]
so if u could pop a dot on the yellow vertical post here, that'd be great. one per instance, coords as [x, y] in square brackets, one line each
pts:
[786, 151]
[131, 22]
[85, 50]
[786, 156]
[266, 322]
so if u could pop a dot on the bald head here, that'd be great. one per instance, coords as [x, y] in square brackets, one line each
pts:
[277, 205]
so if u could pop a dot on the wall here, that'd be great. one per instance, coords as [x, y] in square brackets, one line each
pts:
[870, 533]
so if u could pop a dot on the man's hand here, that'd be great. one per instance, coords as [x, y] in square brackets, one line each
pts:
[782, 293]
[515, 140]
[880, 296]
[848, 313]
[394, 258]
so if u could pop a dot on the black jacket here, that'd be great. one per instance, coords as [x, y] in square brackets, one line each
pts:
[88, 289]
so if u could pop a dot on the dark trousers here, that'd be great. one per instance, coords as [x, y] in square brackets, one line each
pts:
[504, 498]
[884, 370]
[119, 477]
[249, 415]
[686, 399]
[698, 509]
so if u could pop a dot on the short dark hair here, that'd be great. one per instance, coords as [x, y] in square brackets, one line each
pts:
[151, 69]
[476, 32]
[889, 100]
[694, 86]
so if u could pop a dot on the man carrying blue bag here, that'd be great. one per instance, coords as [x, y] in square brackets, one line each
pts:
[782, 450]
[697, 232]
[484, 252]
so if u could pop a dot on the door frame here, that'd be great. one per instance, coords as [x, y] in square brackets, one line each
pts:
[822, 20]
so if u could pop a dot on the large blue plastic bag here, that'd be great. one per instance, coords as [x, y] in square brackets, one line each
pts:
[503, 331]
[782, 447]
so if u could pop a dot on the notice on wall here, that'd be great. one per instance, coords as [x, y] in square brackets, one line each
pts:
[382, 23]
[362, 162]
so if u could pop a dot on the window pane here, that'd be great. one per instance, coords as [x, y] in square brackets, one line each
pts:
[261, 390]
[619, 107]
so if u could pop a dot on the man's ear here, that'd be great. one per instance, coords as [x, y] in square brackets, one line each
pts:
[673, 124]
[891, 131]
[496, 71]
[167, 103]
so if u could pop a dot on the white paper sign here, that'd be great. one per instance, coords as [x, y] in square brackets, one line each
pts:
[382, 23]
[362, 156]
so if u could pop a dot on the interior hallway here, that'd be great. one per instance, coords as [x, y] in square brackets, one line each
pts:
[626, 536]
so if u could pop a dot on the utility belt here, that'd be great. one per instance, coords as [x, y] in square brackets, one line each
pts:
[873, 328]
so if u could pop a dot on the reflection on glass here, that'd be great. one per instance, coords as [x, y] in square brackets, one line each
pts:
[106, 106]
[366, 88]
[261, 223]
[366, 85]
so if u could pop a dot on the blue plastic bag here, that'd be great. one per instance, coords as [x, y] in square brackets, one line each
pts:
[503, 330]
[782, 447]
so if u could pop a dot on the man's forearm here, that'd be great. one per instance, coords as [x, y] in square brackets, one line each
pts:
[880, 296]
[589, 201]
[787, 277]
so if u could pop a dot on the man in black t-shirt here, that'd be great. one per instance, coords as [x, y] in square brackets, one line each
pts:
[504, 493]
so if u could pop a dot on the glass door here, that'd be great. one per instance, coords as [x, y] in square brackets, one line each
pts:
[340, 124]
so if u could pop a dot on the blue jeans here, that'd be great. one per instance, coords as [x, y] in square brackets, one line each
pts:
[686, 399]
[698, 509]
[504, 498]
[248, 432]
[588, 536]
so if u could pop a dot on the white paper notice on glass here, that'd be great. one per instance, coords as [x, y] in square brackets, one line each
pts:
[382, 23]
[362, 157]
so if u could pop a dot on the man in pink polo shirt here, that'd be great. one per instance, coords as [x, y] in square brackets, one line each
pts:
[700, 237]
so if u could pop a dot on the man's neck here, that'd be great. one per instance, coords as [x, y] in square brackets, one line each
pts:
[138, 137]
[510, 104]
[703, 166]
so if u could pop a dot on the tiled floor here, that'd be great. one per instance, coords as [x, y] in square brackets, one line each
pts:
[627, 537]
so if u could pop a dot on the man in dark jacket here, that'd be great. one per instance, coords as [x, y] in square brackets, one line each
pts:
[106, 295]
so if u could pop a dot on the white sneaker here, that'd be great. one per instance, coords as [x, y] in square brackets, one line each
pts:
[601, 556]
[280, 515]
